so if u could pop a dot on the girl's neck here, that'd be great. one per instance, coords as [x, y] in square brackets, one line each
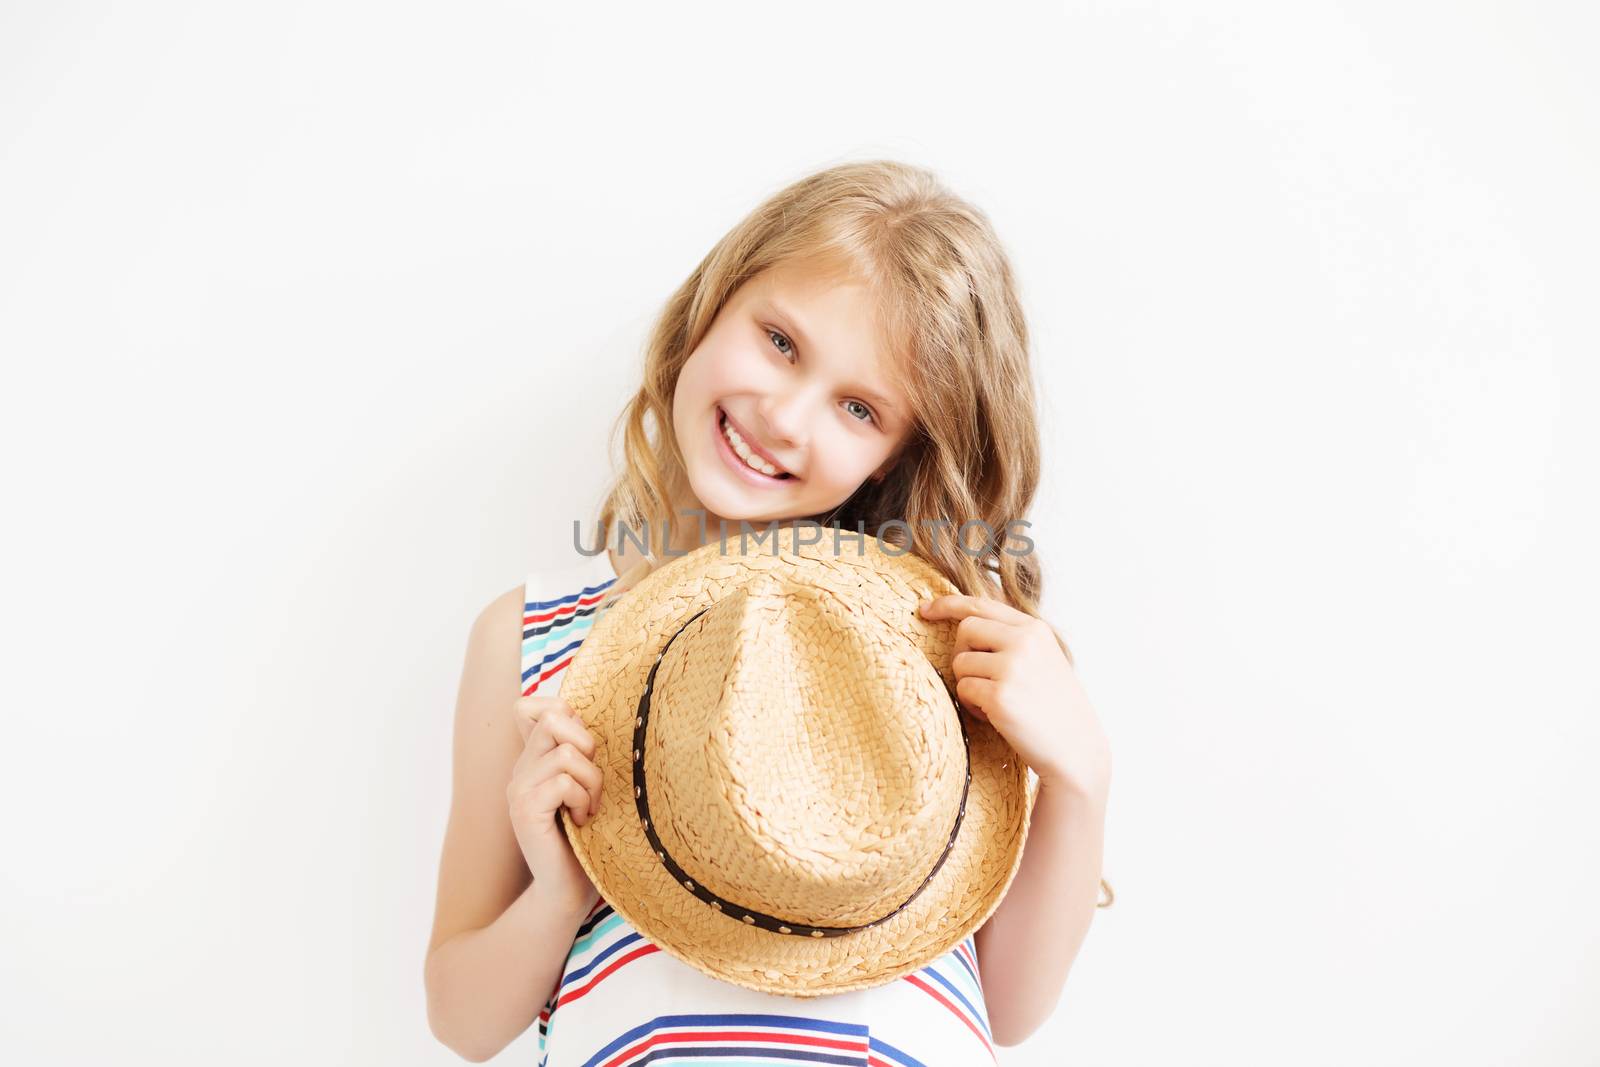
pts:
[627, 558]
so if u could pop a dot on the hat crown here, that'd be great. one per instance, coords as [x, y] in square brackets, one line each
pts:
[803, 759]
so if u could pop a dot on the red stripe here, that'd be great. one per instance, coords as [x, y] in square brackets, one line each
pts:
[567, 998]
[565, 609]
[954, 1010]
[535, 683]
[686, 1036]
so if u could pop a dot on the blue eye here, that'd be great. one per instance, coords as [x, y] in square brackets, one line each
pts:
[774, 333]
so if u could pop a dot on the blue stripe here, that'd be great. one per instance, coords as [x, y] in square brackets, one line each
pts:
[721, 1061]
[757, 1054]
[782, 1021]
[571, 598]
[718, 1056]
[883, 1048]
[573, 976]
[538, 668]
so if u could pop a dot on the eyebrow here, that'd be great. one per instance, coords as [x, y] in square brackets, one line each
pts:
[793, 322]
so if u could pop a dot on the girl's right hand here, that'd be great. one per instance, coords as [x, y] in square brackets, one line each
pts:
[555, 769]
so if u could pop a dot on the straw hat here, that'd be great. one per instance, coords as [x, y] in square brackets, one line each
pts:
[787, 802]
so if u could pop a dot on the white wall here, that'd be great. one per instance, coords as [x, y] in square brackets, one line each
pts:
[290, 293]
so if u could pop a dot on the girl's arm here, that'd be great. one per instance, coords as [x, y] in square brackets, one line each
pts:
[1029, 943]
[498, 946]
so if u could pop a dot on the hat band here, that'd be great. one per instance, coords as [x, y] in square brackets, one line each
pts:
[749, 916]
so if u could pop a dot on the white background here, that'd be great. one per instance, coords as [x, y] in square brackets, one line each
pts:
[295, 298]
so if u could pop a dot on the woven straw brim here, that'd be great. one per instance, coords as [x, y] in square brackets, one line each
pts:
[603, 685]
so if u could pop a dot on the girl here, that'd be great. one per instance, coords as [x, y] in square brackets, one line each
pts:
[853, 351]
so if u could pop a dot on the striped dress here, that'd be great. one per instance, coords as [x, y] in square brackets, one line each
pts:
[622, 1000]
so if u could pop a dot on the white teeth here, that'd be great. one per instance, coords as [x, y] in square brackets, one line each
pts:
[750, 458]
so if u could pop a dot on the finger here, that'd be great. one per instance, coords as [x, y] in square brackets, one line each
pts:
[564, 791]
[529, 710]
[559, 728]
[568, 760]
[960, 606]
[541, 800]
[975, 633]
[975, 663]
[976, 695]
[576, 800]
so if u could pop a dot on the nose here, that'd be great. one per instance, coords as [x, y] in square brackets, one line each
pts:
[783, 417]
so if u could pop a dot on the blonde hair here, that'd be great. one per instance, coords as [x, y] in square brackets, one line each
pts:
[947, 300]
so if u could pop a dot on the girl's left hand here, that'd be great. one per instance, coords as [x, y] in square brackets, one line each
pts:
[1011, 671]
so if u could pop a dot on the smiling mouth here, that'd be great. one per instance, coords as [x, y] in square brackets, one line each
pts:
[726, 428]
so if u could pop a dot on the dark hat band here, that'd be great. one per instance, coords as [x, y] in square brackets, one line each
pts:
[756, 918]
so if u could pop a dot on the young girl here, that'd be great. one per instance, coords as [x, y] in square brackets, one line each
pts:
[852, 352]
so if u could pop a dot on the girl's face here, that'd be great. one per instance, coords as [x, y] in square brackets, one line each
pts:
[794, 362]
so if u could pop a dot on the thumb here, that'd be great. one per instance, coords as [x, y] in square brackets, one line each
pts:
[526, 714]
